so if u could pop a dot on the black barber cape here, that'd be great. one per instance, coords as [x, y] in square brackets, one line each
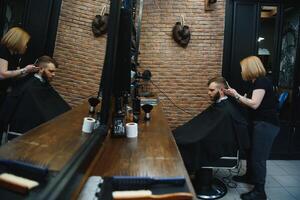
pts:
[218, 131]
[31, 103]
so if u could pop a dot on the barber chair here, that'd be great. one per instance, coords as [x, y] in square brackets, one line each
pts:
[209, 187]
[8, 135]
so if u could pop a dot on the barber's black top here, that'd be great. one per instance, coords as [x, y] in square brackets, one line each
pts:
[13, 62]
[267, 109]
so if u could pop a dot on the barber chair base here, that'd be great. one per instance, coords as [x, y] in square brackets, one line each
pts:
[217, 190]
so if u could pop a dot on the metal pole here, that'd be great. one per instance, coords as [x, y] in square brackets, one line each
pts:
[107, 78]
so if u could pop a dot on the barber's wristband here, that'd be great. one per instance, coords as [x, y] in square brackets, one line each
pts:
[23, 71]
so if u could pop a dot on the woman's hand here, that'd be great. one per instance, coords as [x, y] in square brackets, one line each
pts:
[5, 73]
[231, 92]
[31, 69]
[253, 102]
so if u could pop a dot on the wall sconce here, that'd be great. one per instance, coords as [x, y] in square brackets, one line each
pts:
[210, 5]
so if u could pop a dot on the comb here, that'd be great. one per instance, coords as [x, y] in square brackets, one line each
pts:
[36, 61]
[147, 195]
[227, 85]
[135, 181]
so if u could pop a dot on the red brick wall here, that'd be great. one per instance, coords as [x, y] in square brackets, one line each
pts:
[80, 55]
[181, 73]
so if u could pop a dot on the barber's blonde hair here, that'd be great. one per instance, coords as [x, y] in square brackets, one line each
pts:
[16, 40]
[252, 68]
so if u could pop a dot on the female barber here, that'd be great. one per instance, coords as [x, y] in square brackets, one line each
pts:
[13, 44]
[265, 124]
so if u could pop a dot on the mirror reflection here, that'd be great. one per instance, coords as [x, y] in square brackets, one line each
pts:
[266, 37]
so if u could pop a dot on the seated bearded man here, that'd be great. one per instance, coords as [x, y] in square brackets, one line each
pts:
[220, 130]
[33, 100]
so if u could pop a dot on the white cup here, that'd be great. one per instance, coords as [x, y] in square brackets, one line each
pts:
[131, 130]
[88, 124]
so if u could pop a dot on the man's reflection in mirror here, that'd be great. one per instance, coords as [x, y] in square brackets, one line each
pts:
[33, 100]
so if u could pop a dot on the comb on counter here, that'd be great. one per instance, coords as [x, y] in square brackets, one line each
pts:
[147, 195]
[135, 188]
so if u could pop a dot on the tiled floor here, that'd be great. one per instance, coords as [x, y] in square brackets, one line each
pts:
[282, 183]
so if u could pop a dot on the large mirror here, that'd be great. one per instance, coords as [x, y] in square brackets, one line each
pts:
[288, 80]
[278, 52]
[267, 35]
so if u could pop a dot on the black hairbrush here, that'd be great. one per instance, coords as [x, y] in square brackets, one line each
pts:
[24, 168]
[135, 182]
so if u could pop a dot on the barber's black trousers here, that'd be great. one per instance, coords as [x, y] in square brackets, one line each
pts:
[263, 136]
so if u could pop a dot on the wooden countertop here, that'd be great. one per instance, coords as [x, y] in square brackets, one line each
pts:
[153, 153]
[52, 143]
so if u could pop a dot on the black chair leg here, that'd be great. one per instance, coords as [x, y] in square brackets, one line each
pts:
[207, 187]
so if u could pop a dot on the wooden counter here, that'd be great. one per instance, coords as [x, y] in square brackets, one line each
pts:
[58, 142]
[153, 153]
[52, 143]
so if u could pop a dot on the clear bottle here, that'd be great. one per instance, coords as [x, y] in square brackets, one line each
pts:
[129, 114]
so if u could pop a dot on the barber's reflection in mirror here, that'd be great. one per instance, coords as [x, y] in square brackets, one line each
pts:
[13, 45]
[33, 100]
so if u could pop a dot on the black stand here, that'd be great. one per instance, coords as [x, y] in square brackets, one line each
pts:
[208, 187]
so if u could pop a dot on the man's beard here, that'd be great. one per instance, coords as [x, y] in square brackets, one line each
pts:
[44, 76]
[216, 97]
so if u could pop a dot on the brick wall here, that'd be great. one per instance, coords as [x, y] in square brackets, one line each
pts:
[181, 73]
[80, 55]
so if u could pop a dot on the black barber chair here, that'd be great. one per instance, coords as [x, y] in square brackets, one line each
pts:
[209, 187]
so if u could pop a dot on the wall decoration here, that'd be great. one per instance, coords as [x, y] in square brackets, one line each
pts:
[210, 5]
[181, 33]
[99, 23]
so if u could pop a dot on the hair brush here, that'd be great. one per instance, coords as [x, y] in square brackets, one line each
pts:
[24, 168]
[128, 182]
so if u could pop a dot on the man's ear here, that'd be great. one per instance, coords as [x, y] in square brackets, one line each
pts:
[221, 91]
[41, 70]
